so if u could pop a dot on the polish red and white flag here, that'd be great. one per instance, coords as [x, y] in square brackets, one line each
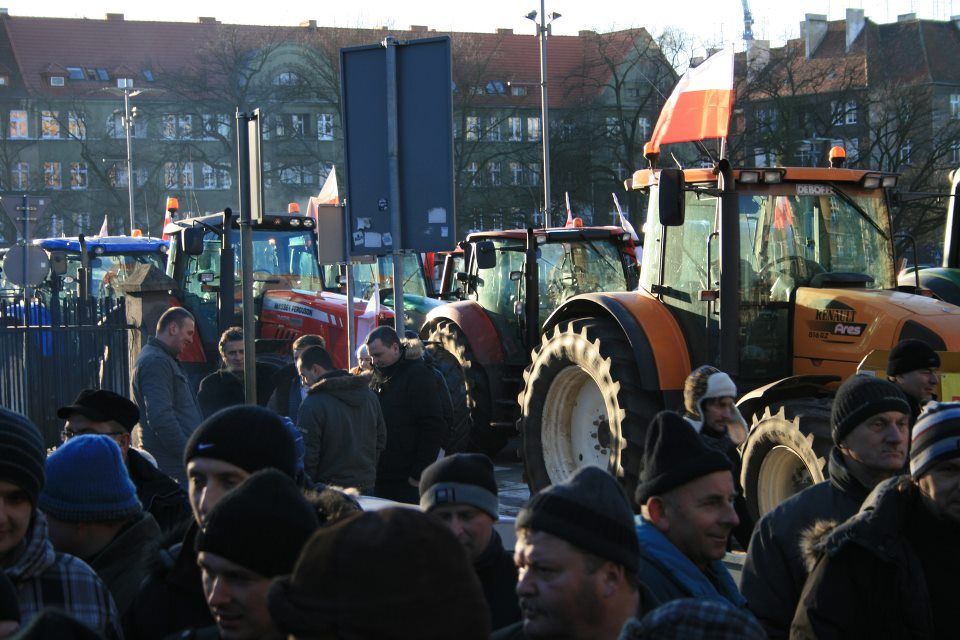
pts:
[700, 105]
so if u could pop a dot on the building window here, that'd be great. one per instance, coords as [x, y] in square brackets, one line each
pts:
[806, 156]
[515, 125]
[115, 125]
[117, 175]
[208, 177]
[148, 75]
[185, 126]
[18, 124]
[633, 92]
[473, 174]
[49, 125]
[493, 170]
[75, 73]
[214, 125]
[56, 81]
[621, 172]
[78, 175]
[168, 126]
[955, 106]
[473, 128]
[51, 175]
[765, 119]
[4, 80]
[516, 173]
[76, 126]
[186, 175]
[906, 153]
[224, 178]
[493, 129]
[762, 158]
[286, 79]
[533, 128]
[21, 175]
[612, 127]
[171, 175]
[852, 147]
[298, 122]
[643, 124]
[325, 126]
[124, 83]
[851, 113]
[534, 172]
[518, 91]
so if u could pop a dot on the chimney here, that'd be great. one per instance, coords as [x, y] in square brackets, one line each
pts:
[115, 16]
[4, 11]
[956, 21]
[504, 32]
[855, 24]
[207, 20]
[586, 33]
[812, 30]
[758, 56]
[309, 24]
[419, 27]
[906, 17]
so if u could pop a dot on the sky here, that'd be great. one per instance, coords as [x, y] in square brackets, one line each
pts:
[708, 22]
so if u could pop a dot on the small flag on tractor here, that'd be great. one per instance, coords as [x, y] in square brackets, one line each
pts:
[700, 105]
[367, 321]
[569, 222]
[103, 228]
[634, 238]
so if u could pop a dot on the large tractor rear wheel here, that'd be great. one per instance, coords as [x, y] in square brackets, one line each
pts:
[483, 437]
[582, 405]
[785, 453]
[447, 364]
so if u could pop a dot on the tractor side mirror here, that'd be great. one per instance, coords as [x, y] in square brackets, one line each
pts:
[486, 254]
[670, 199]
[191, 239]
[58, 263]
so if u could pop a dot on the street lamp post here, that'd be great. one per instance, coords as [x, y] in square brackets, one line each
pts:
[543, 27]
[128, 118]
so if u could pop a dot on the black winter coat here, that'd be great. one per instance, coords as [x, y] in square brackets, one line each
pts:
[875, 573]
[222, 389]
[171, 599]
[159, 494]
[414, 416]
[286, 397]
[498, 577]
[774, 572]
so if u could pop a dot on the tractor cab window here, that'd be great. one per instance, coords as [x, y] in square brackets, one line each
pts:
[380, 273]
[201, 286]
[494, 290]
[282, 260]
[110, 271]
[582, 266]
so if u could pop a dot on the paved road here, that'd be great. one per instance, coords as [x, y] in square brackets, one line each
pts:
[509, 472]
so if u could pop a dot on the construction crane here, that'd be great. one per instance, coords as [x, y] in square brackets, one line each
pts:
[747, 23]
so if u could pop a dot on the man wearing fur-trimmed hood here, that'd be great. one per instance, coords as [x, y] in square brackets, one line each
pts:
[890, 571]
[341, 422]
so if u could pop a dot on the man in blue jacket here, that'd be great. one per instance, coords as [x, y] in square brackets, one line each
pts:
[686, 493]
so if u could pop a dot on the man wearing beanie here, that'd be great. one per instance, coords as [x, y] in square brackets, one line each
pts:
[890, 571]
[224, 451]
[42, 577]
[461, 491]
[914, 367]
[578, 559]
[93, 513]
[393, 574]
[870, 425]
[110, 414]
[686, 494]
[276, 521]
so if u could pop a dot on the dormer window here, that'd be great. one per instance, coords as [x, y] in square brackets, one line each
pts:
[4, 80]
[286, 78]
[125, 83]
[56, 81]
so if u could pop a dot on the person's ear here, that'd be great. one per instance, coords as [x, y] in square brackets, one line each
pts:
[611, 577]
[657, 510]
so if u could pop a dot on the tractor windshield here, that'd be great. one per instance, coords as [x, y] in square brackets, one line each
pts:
[792, 233]
[582, 266]
[380, 273]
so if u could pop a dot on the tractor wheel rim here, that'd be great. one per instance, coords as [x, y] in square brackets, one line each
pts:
[575, 425]
[782, 474]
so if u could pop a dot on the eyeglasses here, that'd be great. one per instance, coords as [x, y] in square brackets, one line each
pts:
[66, 434]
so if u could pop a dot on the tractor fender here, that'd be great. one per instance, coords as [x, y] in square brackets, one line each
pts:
[752, 404]
[475, 324]
[659, 347]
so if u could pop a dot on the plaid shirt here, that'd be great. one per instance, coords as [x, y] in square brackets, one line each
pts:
[693, 618]
[47, 579]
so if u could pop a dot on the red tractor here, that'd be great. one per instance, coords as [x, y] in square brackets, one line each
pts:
[511, 282]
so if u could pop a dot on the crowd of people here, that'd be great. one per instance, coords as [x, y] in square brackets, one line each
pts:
[242, 521]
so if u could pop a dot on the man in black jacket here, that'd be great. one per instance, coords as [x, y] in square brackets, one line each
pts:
[414, 416]
[288, 390]
[461, 491]
[110, 414]
[225, 387]
[870, 423]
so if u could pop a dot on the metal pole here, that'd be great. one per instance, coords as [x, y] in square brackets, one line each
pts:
[544, 115]
[393, 166]
[128, 123]
[26, 306]
[348, 286]
[246, 257]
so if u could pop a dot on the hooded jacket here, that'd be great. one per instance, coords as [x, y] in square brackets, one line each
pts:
[774, 572]
[888, 572]
[44, 579]
[343, 431]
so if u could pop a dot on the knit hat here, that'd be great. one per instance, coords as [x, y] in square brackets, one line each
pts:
[692, 618]
[674, 455]
[21, 453]
[463, 478]
[101, 405]
[260, 525]
[935, 437]
[706, 383]
[9, 604]
[390, 574]
[87, 481]
[860, 397]
[247, 436]
[910, 355]
[590, 511]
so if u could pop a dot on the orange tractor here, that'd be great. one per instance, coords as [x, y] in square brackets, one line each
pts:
[783, 277]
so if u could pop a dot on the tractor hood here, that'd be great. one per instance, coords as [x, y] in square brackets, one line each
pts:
[835, 328]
